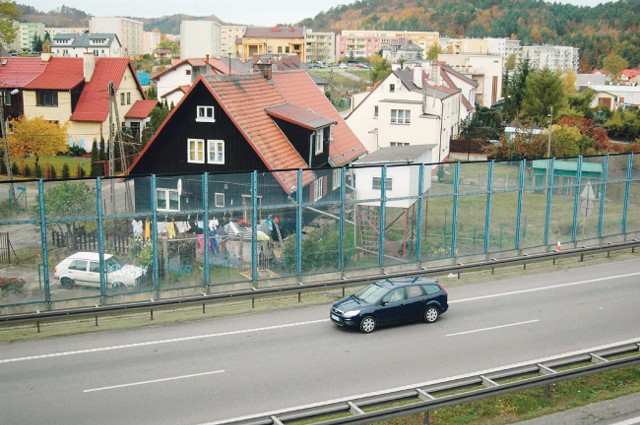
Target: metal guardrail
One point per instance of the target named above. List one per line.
(253, 292)
(368, 409)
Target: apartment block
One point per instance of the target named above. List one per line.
(275, 40)
(368, 43)
(26, 32)
(130, 33)
(553, 57)
(319, 47)
(199, 39)
(229, 34)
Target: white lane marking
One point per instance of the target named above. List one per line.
(542, 288)
(132, 384)
(632, 421)
(423, 384)
(163, 341)
(494, 327)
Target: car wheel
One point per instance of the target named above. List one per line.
(368, 324)
(431, 314)
(66, 283)
(118, 285)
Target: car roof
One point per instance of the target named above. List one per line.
(405, 281)
(92, 256)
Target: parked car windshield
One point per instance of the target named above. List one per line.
(371, 293)
(112, 264)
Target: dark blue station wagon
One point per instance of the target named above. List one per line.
(391, 301)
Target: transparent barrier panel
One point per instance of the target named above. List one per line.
(470, 231)
(436, 239)
(502, 231)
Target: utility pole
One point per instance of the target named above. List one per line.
(547, 183)
(7, 161)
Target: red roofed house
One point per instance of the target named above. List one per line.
(240, 123)
(75, 90)
(15, 74)
(629, 76)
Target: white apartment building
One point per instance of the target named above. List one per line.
(369, 42)
(129, 32)
(319, 47)
(25, 34)
(502, 47)
(150, 40)
(486, 70)
(553, 57)
(228, 36)
(199, 39)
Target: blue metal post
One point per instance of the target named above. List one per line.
(205, 226)
(254, 227)
(627, 191)
(382, 221)
(487, 207)
(603, 192)
(154, 233)
(547, 216)
(420, 212)
(454, 214)
(103, 285)
(43, 239)
(341, 222)
(576, 200)
(299, 223)
(518, 242)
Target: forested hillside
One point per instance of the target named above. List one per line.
(597, 31)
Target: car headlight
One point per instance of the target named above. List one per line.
(351, 313)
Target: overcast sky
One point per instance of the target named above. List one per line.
(251, 12)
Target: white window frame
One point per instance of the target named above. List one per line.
(337, 181)
(195, 155)
(317, 189)
(319, 141)
(218, 199)
(215, 151)
(167, 198)
(400, 116)
(205, 114)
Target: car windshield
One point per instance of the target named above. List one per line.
(112, 264)
(371, 293)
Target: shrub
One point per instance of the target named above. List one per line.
(66, 172)
(11, 284)
(26, 171)
(14, 169)
(38, 171)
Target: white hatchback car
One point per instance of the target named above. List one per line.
(83, 268)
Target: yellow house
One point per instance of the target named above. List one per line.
(76, 91)
(276, 40)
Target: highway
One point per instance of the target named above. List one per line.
(210, 370)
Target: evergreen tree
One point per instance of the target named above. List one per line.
(66, 172)
(95, 158)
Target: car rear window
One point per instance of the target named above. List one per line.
(431, 289)
(414, 292)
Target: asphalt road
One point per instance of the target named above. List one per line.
(237, 366)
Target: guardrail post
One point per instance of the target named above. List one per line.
(576, 201)
(603, 192)
(154, 234)
(43, 240)
(254, 213)
(454, 213)
(547, 217)
(382, 215)
(426, 418)
(627, 190)
(205, 228)
(420, 212)
(299, 223)
(341, 221)
(487, 207)
(103, 280)
(517, 244)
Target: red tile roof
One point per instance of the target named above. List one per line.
(93, 104)
(19, 71)
(297, 88)
(141, 109)
(305, 118)
(244, 99)
(59, 74)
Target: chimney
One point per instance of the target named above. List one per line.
(417, 76)
(206, 64)
(44, 57)
(89, 62)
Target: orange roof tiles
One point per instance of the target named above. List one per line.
(297, 88)
(19, 71)
(141, 109)
(59, 74)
